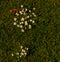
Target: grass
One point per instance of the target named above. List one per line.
(43, 40)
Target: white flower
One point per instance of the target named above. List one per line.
(22, 54)
(25, 54)
(33, 21)
(15, 23)
(27, 16)
(24, 13)
(29, 10)
(22, 30)
(20, 12)
(21, 47)
(21, 23)
(23, 50)
(26, 9)
(30, 20)
(26, 48)
(21, 26)
(17, 14)
(34, 8)
(21, 6)
(26, 23)
(15, 19)
(12, 54)
(30, 26)
(22, 19)
(17, 53)
(34, 14)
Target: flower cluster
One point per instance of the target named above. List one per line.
(21, 53)
(24, 18)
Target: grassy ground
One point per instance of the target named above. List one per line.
(43, 40)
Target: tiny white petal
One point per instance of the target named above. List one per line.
(17, 53)
(25, 53)
(33, 21)
(22, 19)
(21, 6)
(23, 50)
(21, 47)
(30, 26)
(12, 54)
(22, 30)
(34, 8)
(17, 14)
(29, 10)
(15, 19)
(22, 54)
(21, 23)
(26, 23)
(15, 23)
(26, 48)
(27, 16)
(20, 12)
(30, 20)
(26, 9)
(21, 26)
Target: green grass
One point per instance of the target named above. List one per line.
(43, 40)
